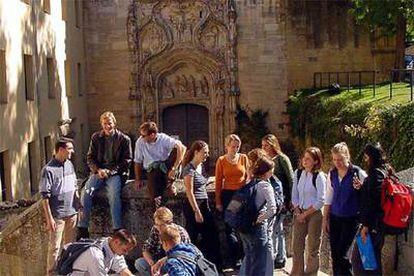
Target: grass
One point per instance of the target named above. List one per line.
(401, 94)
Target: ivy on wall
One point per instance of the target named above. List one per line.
(320, 120)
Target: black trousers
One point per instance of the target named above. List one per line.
(342, 231)
(203, 235)
(233, 240)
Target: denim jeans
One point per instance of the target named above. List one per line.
(143, 268)
(113, 191)
(278, 238)
(257, 252)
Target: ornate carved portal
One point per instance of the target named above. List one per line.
(184, 52)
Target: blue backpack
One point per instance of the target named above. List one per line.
(241, 213)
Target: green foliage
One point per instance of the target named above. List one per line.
(320, 119)
(251, 127)
(382, 14)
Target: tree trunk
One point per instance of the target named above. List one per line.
(401, 28)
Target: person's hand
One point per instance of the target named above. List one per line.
(102, 174)
(219, 208)
(139, 183)
(326, 226)
(296, 211)
(364, 234)
(171, 173)
(199, 217)
(156, 268)
(51, 225)
(301, 217)
(356, 182)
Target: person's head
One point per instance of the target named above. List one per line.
(162, 217)
(232, 143)
(170, 237)
(64, 148)
(271, 145)
(261, 165)
(374, 155)
(198, 152)
(148, 131)
(121, 242)
(108, 122)
(340, 155)
(311, 160)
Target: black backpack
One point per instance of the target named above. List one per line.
(203, 266)
(71, 252)
(314, 176)
(241, 213)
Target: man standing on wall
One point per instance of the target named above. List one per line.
(108, 158)
(60, 201)
(160, 156)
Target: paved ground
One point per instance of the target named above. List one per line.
(284, 271)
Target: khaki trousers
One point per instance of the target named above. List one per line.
(65, 233)
(308, 232)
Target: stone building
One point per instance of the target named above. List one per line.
(186, 64)
(42, 92)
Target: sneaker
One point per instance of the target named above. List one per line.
(279, 265)
(82, 233)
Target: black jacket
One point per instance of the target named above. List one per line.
(121, 150)
(371, 211)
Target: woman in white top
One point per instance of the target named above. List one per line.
(308, 198)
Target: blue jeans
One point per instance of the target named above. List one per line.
(278, 238)
(257, 252)
(113, 192)
(143, 268)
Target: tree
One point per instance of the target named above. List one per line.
(390, 17)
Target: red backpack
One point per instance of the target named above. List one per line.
(397, 203)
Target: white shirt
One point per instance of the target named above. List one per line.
(147, 153)
(304, 193)
(94, 262)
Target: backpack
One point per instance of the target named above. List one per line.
(71, 252)
(397, 203)
(241, 213)
(203, 266)
(314, 176)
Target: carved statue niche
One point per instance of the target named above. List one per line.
(220, 100)
(148, 97)
(212, 36)
(153, 40)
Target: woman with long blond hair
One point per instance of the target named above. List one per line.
(284, 172)
(231, 174)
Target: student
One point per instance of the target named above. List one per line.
(99, 262)
(308, 198)
(198, 215)
(371, 211)
(152, 247)
(284, 172)
(257, 243)
(342, 206)
(154, 155)
(231, 174)
(59, 199)
(109, 157)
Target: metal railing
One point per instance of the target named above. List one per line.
(392, 75)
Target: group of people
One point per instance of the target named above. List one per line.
(348, 195)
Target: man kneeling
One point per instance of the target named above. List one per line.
(97, 258)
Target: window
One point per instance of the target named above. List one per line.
(80, 79)
(34, 187)
(3, 84)
(51, 77)
(48, 148)
(68, 79)
(46, 6)
(64, 5)
(78, 10)
(5, 176)
(29, 77)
